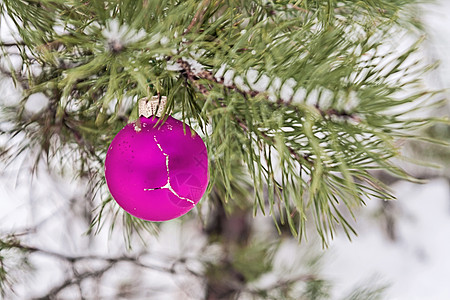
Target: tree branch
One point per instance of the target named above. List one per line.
(198, 17)
(53, 293)
(207, 75)
(15, 44)
(11, 242)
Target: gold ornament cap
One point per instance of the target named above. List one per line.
(153, 106)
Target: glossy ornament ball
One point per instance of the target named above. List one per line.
(157, 173)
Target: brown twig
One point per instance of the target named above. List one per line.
(13, 44)
(198, 17)
(81, 141)
(207, 75)
(298, 8)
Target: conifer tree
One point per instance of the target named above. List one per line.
(298, 103)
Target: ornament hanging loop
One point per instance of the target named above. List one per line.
(153, 106)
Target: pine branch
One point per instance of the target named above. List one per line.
(308, 159)
(207, 75)
(82, 142)
(18, 77)
(324, 147)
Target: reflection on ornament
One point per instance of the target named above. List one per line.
(157, 173)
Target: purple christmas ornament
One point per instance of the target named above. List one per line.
(156, 173)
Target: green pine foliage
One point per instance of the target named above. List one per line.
(302, 94)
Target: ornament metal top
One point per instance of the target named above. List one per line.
(155, 106)
(156, 172)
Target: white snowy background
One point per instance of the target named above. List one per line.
(416, 265)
